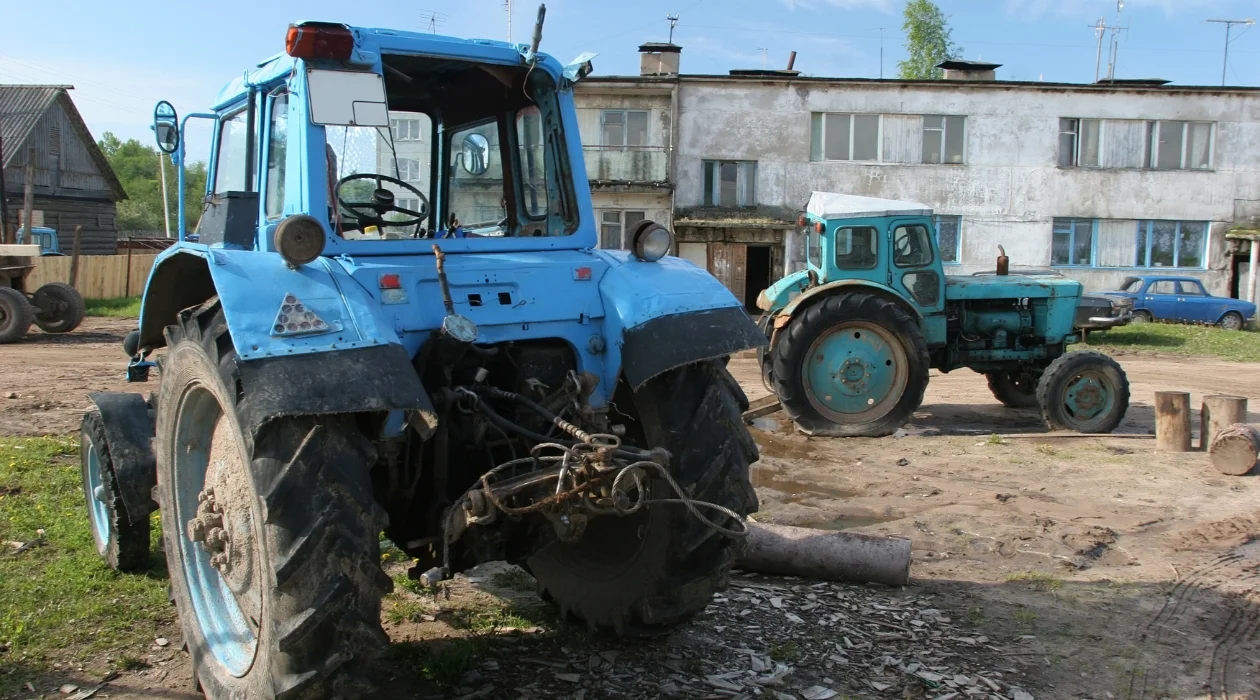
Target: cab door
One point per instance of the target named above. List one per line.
(914, 266)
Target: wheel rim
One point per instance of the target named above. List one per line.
(227, 604)
(98, 512)
(856, 372)
(1232, 323)
(1088, 399)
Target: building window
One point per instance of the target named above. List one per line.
(845, 136)
(405, 129)
(408, 169)
(1171, 243)
(408, 203)
(615, 224)
(948, 237)
(1072, 242)
(1080, 143)
(730, 183)
(943, 139)
(621, 127)
(1180, 145)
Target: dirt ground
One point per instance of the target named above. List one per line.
(1046, 567)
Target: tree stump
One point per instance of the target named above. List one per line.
(1219, 411)
(1234, 449)
(1172, 421)
(826, 554)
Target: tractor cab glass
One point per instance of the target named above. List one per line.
(857, 247)
(459, 150)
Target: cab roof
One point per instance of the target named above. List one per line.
(833, 205)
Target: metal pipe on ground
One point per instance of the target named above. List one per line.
(830, 555)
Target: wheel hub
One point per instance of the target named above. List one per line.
(1086, 397)
(855, 371)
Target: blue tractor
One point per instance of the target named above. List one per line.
(853, 335)
(395, 320)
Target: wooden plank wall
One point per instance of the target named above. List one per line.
(100, 276)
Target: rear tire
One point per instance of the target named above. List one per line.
(1085, 391)
(16, 315)
(123, 545)
(67, 300)
(1015, 388)
(892, 382)
(296, 612)
(1232, 321)
(646, 573)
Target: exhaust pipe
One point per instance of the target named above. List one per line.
(791, 60)
(1003, 262)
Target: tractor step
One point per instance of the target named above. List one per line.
(763, 406)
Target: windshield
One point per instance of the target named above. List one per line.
(472, 150)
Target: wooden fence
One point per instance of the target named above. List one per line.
(100, 276)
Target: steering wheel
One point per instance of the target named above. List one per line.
(382, 202)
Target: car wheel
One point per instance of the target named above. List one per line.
(1232, 321)
(1141, 317)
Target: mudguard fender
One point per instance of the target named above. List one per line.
(668, 313)
(128, 437)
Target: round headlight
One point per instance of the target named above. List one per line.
(649, 241)
(300, 239)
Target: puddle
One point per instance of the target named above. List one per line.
(796, 490)
(767, 424)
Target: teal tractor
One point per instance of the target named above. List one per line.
(395, 324)
(852, 336)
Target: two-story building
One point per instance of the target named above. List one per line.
(1098, 181)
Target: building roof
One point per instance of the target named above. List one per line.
(832, 205)
(21, 108)
(956, 64)
(659, 47)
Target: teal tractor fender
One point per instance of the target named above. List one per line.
(785, 300)
(665, 314)
(352, 361)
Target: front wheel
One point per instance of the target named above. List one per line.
(59, 308)
(123, 545)
(1232, 321)
(645, 573)
(1141, 316)
(851, 365)
(1084, 391)
(271, 542)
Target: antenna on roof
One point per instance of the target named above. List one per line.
(764, 53)
(673, 22)
(508, 5)
(432, 20)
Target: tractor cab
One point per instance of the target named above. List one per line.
(45, 238)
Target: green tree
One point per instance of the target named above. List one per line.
(928, 41)
(136, 166)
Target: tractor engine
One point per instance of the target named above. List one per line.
(992, 325)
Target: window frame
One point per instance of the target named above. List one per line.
(852, 117)
(936, 229)
(403, 176)
(1071, 222)
(1146, 228)
(269, 164)
(711, 185)
(394, 131)
(625, 128)
(927, 239)
(835, 243)
(1078, 142)
(944, 131)
(212, 186)
(1155, 133)
(623, 224)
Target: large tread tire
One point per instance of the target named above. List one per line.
(763, 352)
(809, 324)
(125, 545)
(1054, 385)
(645, 574)
(317, 528)
(70, 317)
(1015, 388)
(16, 315)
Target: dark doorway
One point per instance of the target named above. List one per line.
(758, 274)
(1239, 273)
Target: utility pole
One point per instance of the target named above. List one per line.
(764, 52)
(881, 53)
(1115, 41)
(508, 4)
(1099, 30)
(673, 22)
(1229, 25)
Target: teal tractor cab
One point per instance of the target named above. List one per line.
(853, 335)
(45, 238)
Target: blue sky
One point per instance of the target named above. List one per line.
(122, 57)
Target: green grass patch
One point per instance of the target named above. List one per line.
(59, 601)
(120, 307)
(1179, 339)
(1038, 580)
(442, 663)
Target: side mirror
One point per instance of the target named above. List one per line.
(476, 154)
(166, 127)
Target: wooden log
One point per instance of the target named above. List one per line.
(1219, 411)
(1234, 449)
(1172, 421)
(826, 554)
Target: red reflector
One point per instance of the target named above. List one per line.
(391, 281)
(820, 227)
(800, 221)
(319, 41)
(581, 274)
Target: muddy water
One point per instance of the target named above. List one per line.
(787, 501)
(764, 477)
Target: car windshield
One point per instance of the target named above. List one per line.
(471, 151)
(1130, 284)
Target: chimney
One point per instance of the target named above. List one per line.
(659, 58)
(969, 70)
